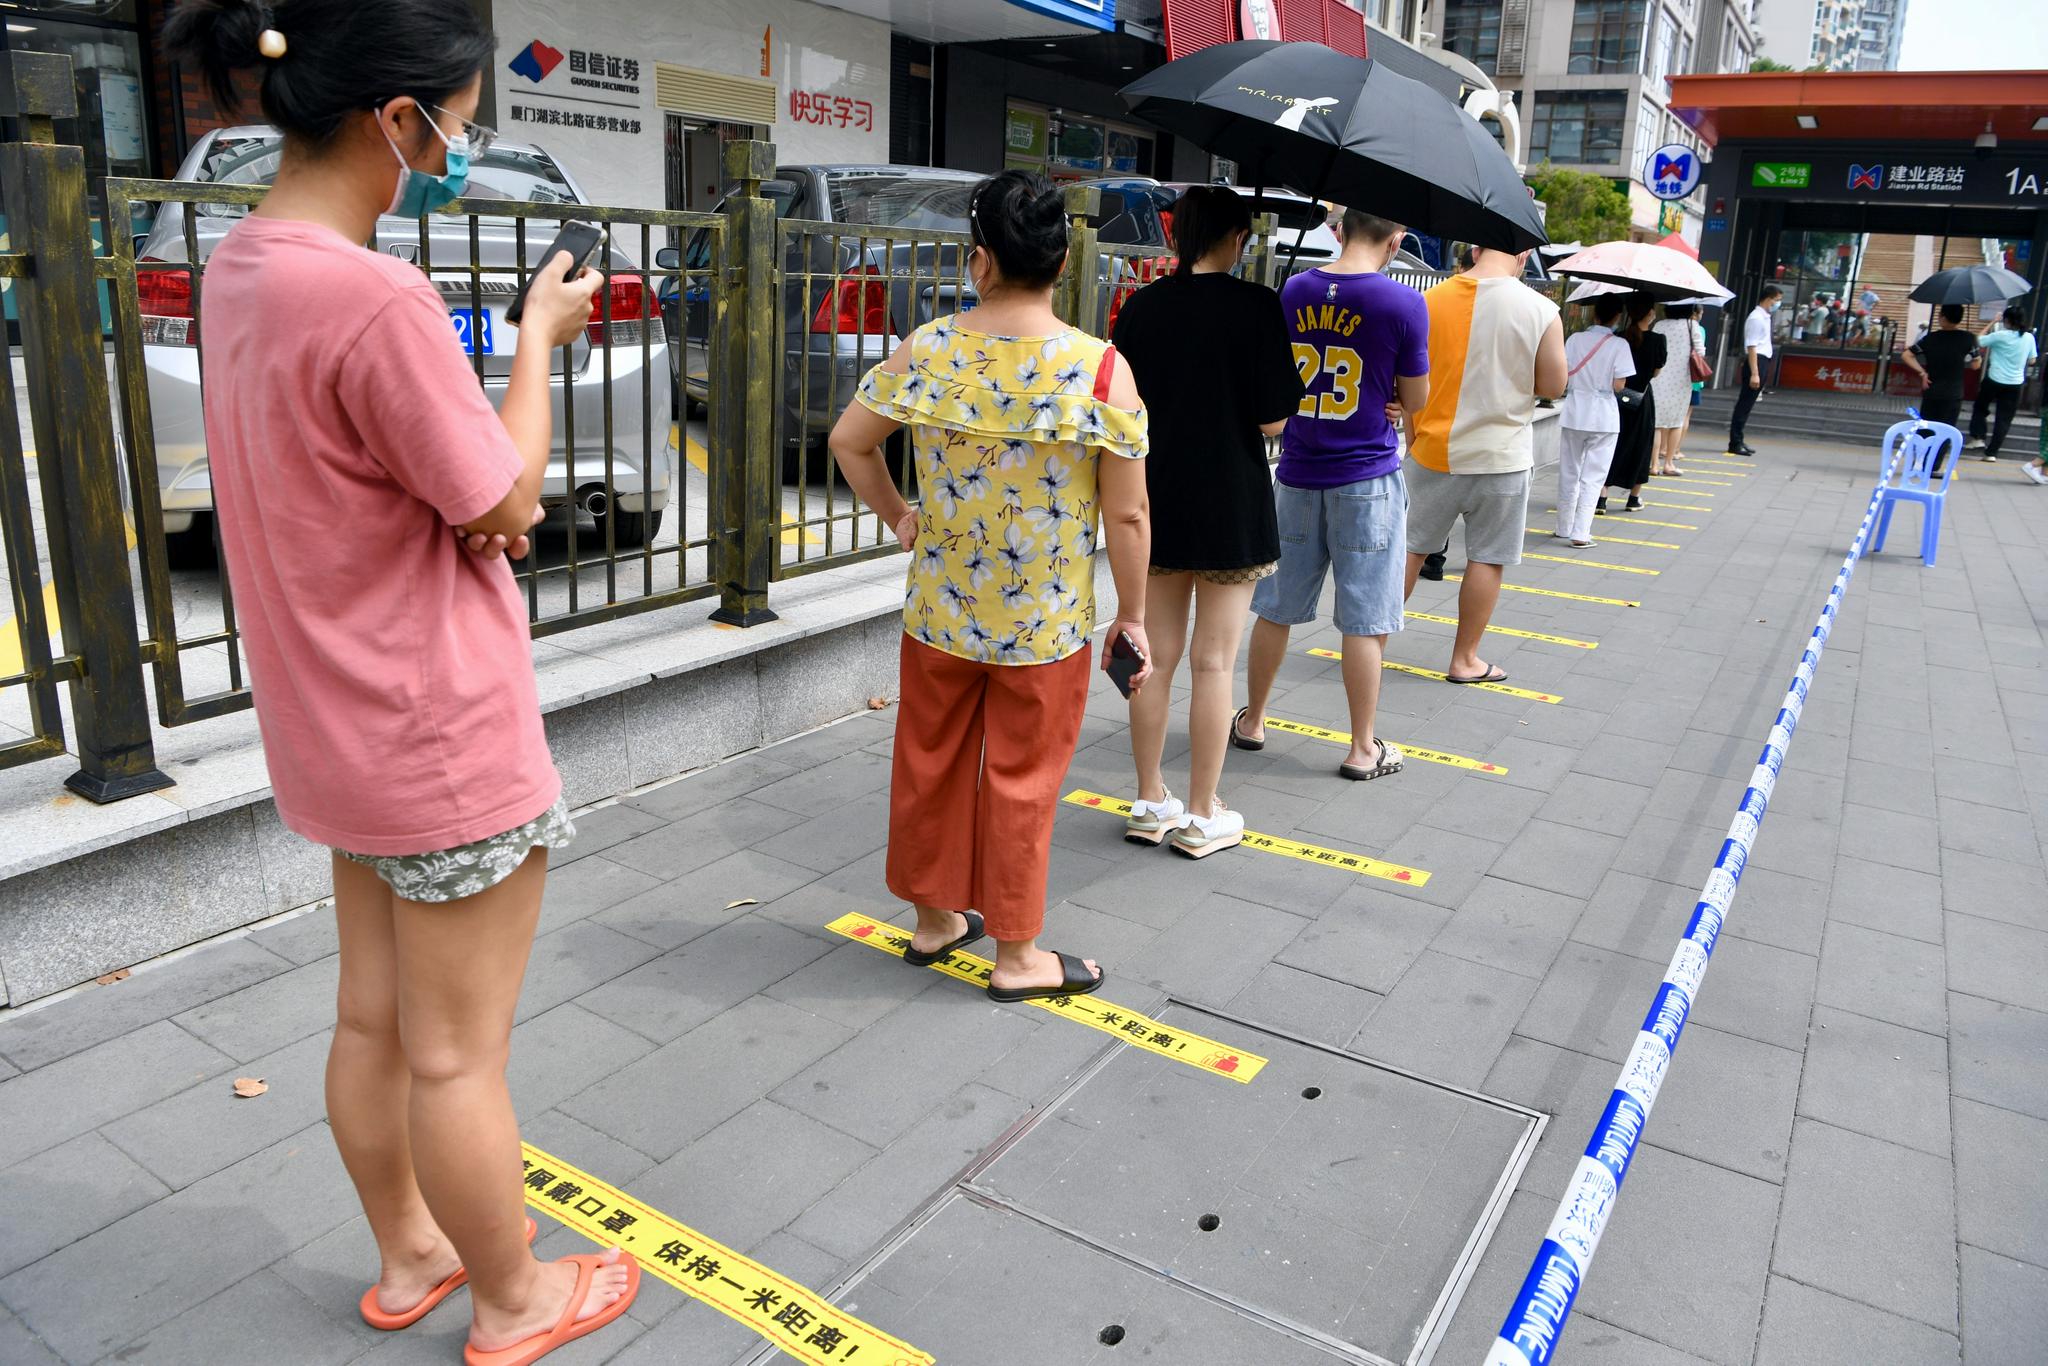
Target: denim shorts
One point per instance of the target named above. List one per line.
(1361, 531)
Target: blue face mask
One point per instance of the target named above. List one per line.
(420, 193)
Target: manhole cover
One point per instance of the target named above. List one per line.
(1331, 1210)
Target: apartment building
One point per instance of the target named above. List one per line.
(1835, 35)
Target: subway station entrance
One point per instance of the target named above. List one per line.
(1845, 189)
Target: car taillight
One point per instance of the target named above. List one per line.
(857, 305)
(164, 299)
(634, 313)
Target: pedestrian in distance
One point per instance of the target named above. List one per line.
(366, 493)
(1756, 349)
(1360, 341)
(1636, 444)
(2008, 350)
(1021, 429)
(1597, 369)
(1940, 359)
(1210, 355)
(1672, 390)
(1495, 347)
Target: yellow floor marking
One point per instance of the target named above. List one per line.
(1591, 564)
(1137, 1030)
(1437, 676)
(1719, 483)
(1554, 593)
(1511, 631)
(796, 534)
(1717, 460)
(1689, 493)
(1618, 540)
(12, 658)
(1272, 844)
(799, 1321)
(1693, 508)
(1412, 751)
(1645, 521)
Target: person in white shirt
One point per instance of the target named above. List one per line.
(1756, 349)
(1597, 366)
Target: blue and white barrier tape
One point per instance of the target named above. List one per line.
(1533, 1326)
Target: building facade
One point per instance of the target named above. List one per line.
(1833, 35)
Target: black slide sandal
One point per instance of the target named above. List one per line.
(1075, 980)
(924, 960)
(1240, 740)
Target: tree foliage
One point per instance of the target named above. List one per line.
(1580, 206)
(1767, 64)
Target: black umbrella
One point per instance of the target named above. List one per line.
(1969, 285)
(1348, 129)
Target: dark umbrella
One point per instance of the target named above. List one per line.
(1348, 129)
(1969, 285)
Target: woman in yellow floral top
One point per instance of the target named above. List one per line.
(1023, 430)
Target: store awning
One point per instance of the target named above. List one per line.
(980, 21)
(1863, 106)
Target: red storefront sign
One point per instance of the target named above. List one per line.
(1841, 374)
(1192, 25)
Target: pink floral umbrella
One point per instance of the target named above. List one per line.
(1657, 271)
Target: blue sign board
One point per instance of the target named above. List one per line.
(1097, 14)
(1717, 225)
(1672, 171)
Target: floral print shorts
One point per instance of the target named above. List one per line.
(452, 874)
(1250, 573)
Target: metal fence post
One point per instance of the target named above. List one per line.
(746, 476)
(1081, 281)
(58, 304)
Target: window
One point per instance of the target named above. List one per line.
(1607, 35)
(1649, 129)
(1578, 127)
(1472, 30)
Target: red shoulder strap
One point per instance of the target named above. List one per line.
(1105, 370)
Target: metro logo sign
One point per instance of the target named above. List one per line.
(1866, 177)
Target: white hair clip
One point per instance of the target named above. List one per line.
(270, 43)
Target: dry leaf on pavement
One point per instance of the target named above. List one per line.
(743, 901)
(249, 1087)
(112, 977)
(878, 704)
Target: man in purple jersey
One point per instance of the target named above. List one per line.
(1361, 342)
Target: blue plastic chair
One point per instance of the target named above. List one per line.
(1930, 451)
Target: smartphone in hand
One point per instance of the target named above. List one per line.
(1125, 660)
(580, 240)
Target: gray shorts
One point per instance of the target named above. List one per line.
(1495, 508)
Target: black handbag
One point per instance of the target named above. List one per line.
(1629, 400)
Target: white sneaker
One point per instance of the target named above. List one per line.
(1151, 822)
(1201, 836)
(2034, 472)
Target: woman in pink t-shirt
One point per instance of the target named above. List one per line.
(367, 495)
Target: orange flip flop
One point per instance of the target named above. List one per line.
(569, 1327)
(391, 1323)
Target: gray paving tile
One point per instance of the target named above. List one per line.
(1509, 925)
(1217, 948)
(1303, 1003)
(1990, 831)
(1999, 1054)
(1592, 1001)
(814, 790)
(1807, 1327)
(1598, 804)
(1993, 889)
(1757, 991)
(855, 1215)
(64, 1193)
(1879, 1079)
(669, 851)
(308, 935)
(865, 1087)
(587, 886)
(1447, 1019)
(1992, 784)
(20, 1347)
(1675, 851)
(1455, 863)
(139, 1272)
(572, 961)
(1572, 1088)
(684, 1089)
(673, 994)
(1891, 787)
(1805, 846)
(1888, 838)
(1720, 1263)
(85, 1090)
(1893, 900)
(98, 1014)
(560, 1052)
(1782, 910)
(1558, 858)
(2002, 1181)
(1635, 915)
(247, 1324)
(1729, 1101)
(1533, 764)
(263, 1018)
(206, 1127)
(1870, 1221)
(753, 1174)
(2005, 1309)
(1997, 961)
(840, 836)
(698, 791)
(1625, 759)
(671, 914)
(604, 828)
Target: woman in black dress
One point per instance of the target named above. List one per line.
(1212, 361)
(1630, 468)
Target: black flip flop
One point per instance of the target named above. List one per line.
(925, 960)
(1075, 980)
(1494, 674)
(1239, 740)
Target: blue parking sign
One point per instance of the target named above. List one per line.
(1673, 171)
